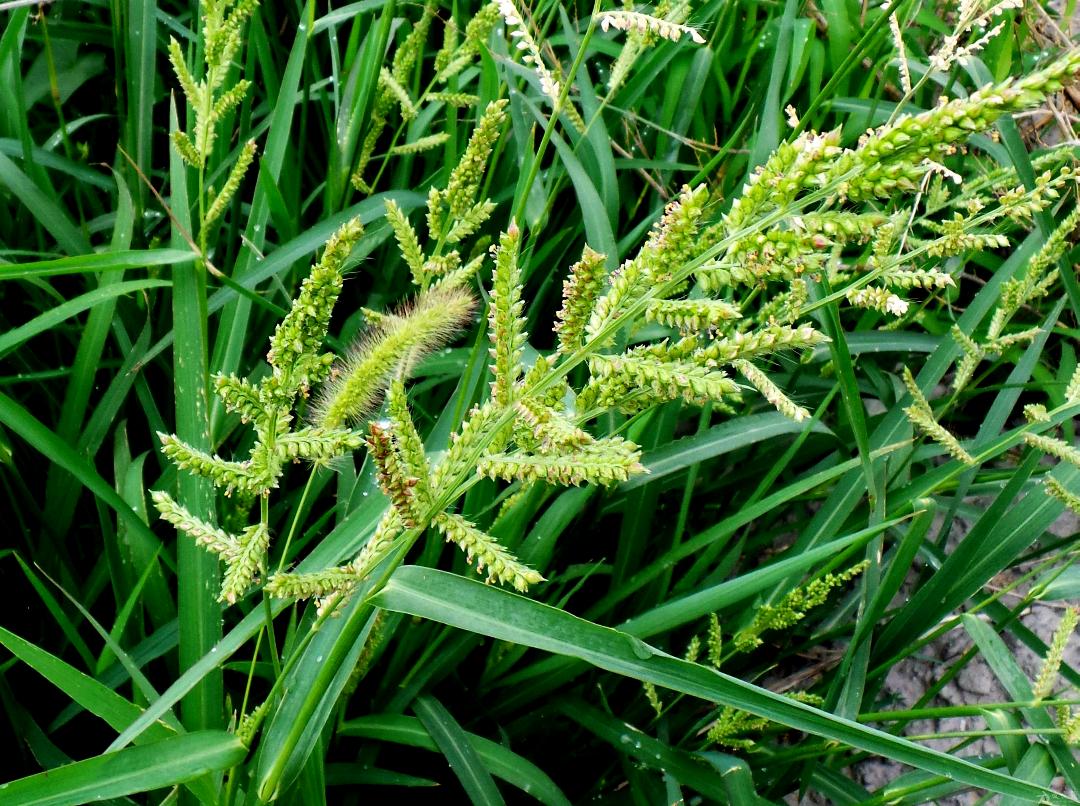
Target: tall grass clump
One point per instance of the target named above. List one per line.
(479, 381)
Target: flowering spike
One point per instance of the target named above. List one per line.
(488, 554)
(580, 291)
(692, 315)
(1044, 683)
(1054, 447)
(622, 20)
(407, 240)
(302, 332)
(506, 325)
(206, 535)
(232, 184)
(770, 391)
(249, 560)
(631, 382)
(398, 343)
(406, 491)
(606, 461)
(922, 417)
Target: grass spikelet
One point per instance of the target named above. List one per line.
(622, 20)
(1054, 447)
(206, 535)
(486, 552)
(1051, 666)
(506, 327)
(580, 291)
(1072, 391)
(770, 391)
(922, 417)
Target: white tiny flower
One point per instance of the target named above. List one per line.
(895, 305)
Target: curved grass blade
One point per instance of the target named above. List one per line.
(454, 744)
(135, 769)
(97, 262)
(19, 420)
(54, 316)
(475, 607)
(500, 761)
(728, 436)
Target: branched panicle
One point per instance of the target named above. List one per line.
(506, 326)
(447, 206)
(672, 242)
(793, 607)
(731, 724)
(296, 361)
(453, 57)
(391, 90)
(922, 417)
(211, 101)
(897, 156)
(580, 291)
(792, 168)
(296, 344)
(1037, 281)
(488, 554)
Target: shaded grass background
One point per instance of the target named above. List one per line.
(83, 396)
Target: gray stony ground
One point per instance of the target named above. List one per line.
(975, 684)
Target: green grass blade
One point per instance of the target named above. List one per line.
(135, 769)
(730, 435)
(475, 607)
(500, 761)
(649, 752)
(95, 697)
(767, 137)
(312, 690)
(84, 302)
(455, 746)
(48, 213)
(199, 613)
(97, 262)
(19, 420)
